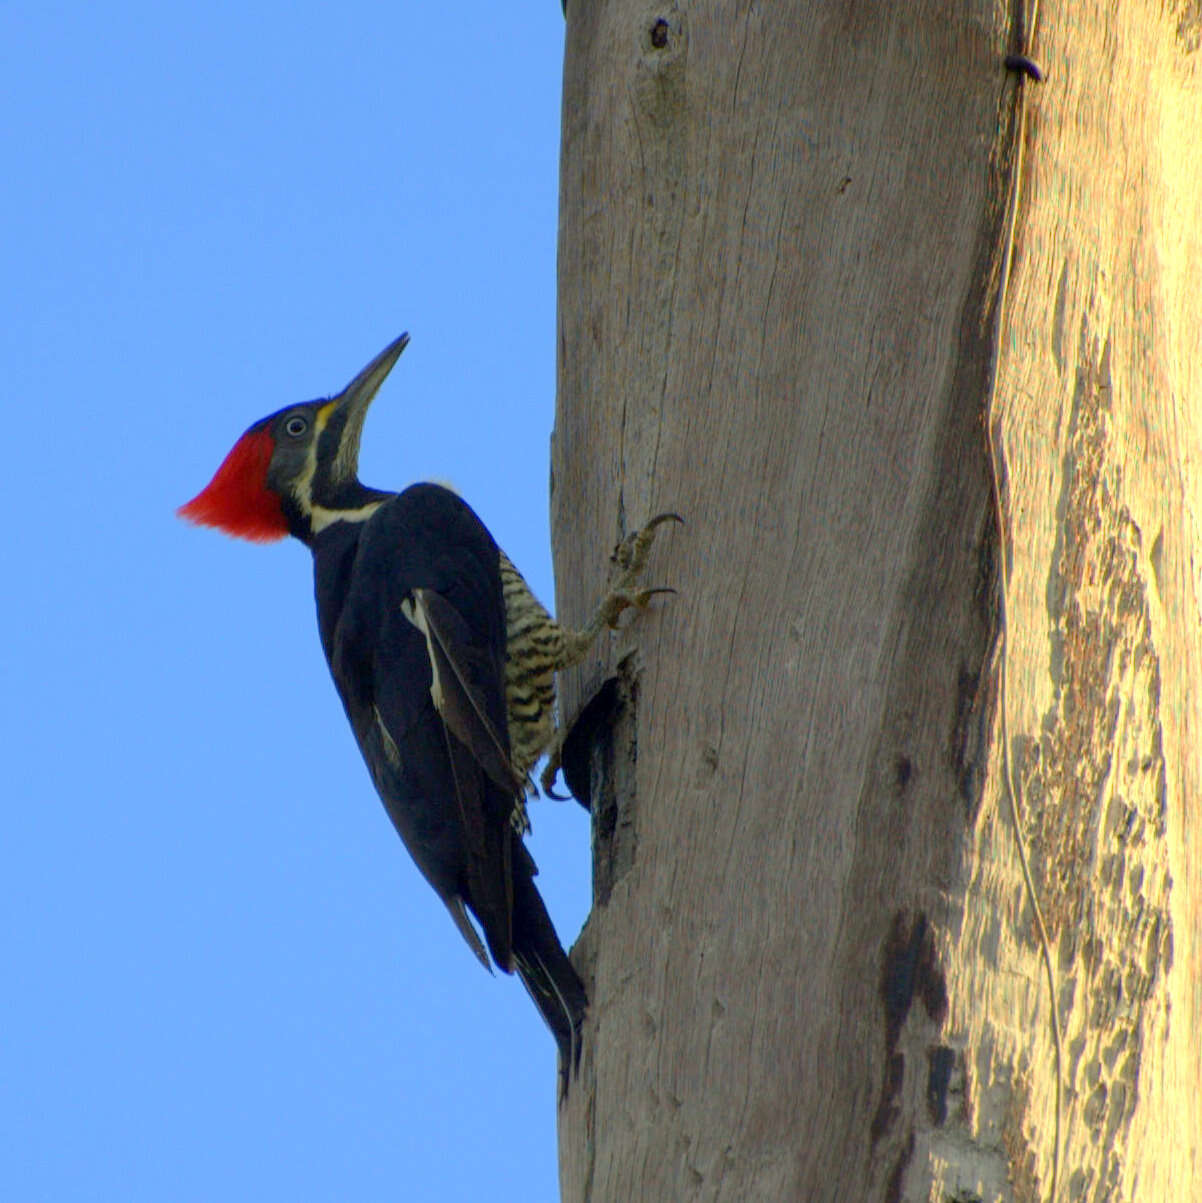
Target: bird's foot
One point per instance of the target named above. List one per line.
(618, 601)
(627, 593)
(631, 554)
(551, 769)
(631, 557)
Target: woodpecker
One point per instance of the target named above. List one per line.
(444, 660)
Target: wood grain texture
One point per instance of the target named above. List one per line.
(812, 968)
(1101, 395)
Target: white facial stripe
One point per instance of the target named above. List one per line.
(302, 487)
(319, 517)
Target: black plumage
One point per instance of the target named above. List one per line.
(444, 659)
(412, 622)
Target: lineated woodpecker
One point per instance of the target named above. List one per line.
(444, 660)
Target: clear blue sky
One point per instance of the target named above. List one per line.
(223, 978)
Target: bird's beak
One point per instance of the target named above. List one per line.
(353, 402)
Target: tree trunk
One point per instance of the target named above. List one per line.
(815, 970)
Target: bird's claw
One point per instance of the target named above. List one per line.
(631, 557)
(621, 600)
(631, 554)
(548, 784)
(551, 769)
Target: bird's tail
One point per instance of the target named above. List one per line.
(543, 966)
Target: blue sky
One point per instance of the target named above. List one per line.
(223, 977)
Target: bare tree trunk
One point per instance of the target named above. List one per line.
(814, 968)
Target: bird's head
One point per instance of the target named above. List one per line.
(297, 470)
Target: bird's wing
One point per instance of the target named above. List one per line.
(460, 673)
(418, 654)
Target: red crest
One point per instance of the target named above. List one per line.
(237, 499)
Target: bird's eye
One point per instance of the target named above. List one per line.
(296, 426)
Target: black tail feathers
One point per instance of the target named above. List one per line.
(545, 970)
